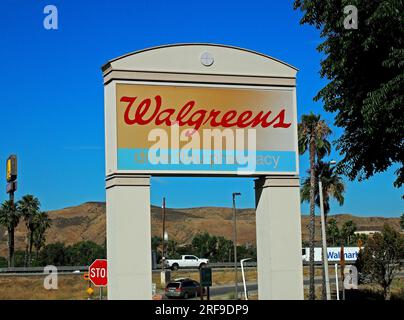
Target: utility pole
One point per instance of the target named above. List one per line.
(235, 243)
(164, 231)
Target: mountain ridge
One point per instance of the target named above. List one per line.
(87, 222)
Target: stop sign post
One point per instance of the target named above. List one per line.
(97, 273)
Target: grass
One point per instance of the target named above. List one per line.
(73, 287)
(70, 287)
(364, 292)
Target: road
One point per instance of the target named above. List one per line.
(251, 286)
(228, 289)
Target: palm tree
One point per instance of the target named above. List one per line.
(29, 208)
(9, 218)
(42, 223)
(333, 233)
(333, 186)
(347, 232)
(313, 133)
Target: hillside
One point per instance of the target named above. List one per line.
(87, 222)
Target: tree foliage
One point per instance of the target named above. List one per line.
(215, 248)
(54, 254)
(333, 186)
(41, 223)
(84, 253)
(29, 207)
(333, 234)
(345, 235)
(348, 233)
(204, 245)
(9, 218)
(382, 257)
(79, 254)
(365, 69)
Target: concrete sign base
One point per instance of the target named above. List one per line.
(128, 237)
(280, 271)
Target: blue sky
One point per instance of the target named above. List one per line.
(51, 96)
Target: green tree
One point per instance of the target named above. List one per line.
(333, 186)
(382, 257)
(84, 253)
(155, 242)
(312, 136)
(204, 245)
(348, 233)
(223, 248)
(172, 249)
(54, 254)
(3, 262)
(402, 221)
(246, 251)
(19, 258)
(9, 218)
(333, 233)
(365, 70)
(41, 223)
(28, 207)
(184, 249)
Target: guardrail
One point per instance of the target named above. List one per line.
(85, 268)
(40, 269)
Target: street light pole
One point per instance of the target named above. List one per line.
(235, 243)
(324, 237)
(242, 272)
(323, 234)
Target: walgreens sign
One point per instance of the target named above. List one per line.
(165, 129)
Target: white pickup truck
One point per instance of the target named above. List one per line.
(186, 261)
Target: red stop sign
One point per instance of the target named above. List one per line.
(97, 272)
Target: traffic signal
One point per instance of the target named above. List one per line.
(11, 168)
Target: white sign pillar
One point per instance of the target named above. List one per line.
(128, 237)
(279, 243)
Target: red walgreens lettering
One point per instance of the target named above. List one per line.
(187, 116)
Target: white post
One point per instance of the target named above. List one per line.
(128, 237)
(336, 280)
(279, 241)
(242, 272)
(323, 235)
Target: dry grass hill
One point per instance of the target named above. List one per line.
(87, 222)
